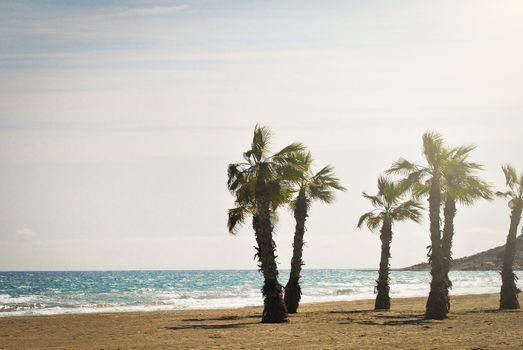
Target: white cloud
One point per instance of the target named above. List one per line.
(25, 234)
(153, 10)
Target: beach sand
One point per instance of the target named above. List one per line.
(474, 323)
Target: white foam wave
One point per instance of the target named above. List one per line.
(7, 299)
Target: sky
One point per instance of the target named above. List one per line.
(118, 120)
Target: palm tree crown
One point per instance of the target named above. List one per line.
(316, 186)
(460, 181)
(419, 178)
(514, 194)
(389, 205)
(277, 170)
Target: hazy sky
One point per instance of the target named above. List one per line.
(118, 120)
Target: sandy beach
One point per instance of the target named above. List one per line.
(474, 323)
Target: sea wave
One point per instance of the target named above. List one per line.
(7, 299)
(346, 291)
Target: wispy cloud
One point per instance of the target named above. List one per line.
(25, 234)
(153, 10)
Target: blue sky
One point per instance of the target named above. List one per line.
(118, 118)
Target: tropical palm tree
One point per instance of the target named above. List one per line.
(461, 185)
(259, 187)
(389, 207)
(309, 187)
(427, 180)
(509, 290)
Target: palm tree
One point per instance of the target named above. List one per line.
(463, 186)
(427, 180)
(509, 290)
(389, 207)
(310, 187)
(259, 187)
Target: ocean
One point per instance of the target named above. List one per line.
(44, 293)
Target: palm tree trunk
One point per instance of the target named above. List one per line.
(256, 227)
(449, 213)
(383, 298)
(293, 289)
(274, 307)
(436, 308)
(509, 290)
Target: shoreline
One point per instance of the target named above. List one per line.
(473, 322)
(100, 310)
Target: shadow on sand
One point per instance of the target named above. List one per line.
(222, 318)
(217, 326)
(350, 312)
(486, 311)
(389, 320)
(410, 322)
(212, 326)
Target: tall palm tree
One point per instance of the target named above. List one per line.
(389, 207)
(259, 187)
(461, 185)
(310, 187)
(427, 180)
(509, 290)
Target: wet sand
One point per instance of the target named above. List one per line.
(474, 323)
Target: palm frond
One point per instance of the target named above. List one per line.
(420, 189)
(233, 176)
(236, 218)
(461, 183)
(364, 218)
(408, 210)
(433, 148)
(505, 195)
(375, 200)
(324, 196)
(321, 186)
(292, 163)
(371, 220)
(280, 192)
(327, 180)
(462, 151)
(514, 194)
(260, 142)
(477, 188)
(289, 150)
(374, 222)
(510, 174)
(245, 194)
(389, 190)
(402, 167)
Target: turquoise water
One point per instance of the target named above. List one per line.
(34, 293)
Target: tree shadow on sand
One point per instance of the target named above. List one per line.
(411, 316)
(212, 326)
(218, 325)
(222, 318)
(486, 311)
(411, 322)
(350, 312)
(393, 320)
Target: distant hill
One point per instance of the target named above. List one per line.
(491, 259)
